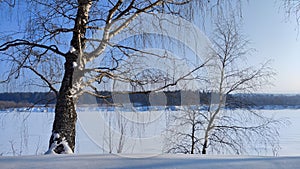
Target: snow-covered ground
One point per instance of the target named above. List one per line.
(157, 162)
(24, 138)
(28, 133)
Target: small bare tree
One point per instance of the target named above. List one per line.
(184, 136)
(234, 131)
(115, 137)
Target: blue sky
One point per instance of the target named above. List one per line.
(275, 37)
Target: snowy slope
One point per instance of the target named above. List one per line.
(157, 162)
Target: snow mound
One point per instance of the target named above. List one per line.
(157, 162)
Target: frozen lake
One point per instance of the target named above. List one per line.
(27, 133)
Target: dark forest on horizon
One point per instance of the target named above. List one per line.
(164, 98)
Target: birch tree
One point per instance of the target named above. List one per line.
(220, 129)
(292, 8)
(53, 40)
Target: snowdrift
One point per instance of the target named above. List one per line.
(145, 162)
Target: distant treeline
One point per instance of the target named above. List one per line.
(164, 98)
(26, 99)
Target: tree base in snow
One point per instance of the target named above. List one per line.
(59, 145)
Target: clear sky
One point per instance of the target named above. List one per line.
(274, 37)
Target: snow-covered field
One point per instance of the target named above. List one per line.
(157, 162)
(24, 138)
(27, 133)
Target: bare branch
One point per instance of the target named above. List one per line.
(21, 42)
(50, 85)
